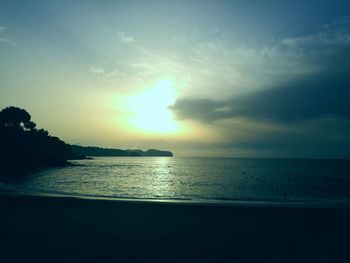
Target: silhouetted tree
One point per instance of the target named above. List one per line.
(15, 117)
(30, 125)
(43, 133)
(23, 147)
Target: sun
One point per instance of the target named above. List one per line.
(149, 108)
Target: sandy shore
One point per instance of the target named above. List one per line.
(47, 229)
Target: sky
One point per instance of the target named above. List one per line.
(197, 77)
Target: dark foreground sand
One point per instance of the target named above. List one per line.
(44, 229)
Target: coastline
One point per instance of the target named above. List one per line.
(8, 189)
(320, 203)
(56, 229)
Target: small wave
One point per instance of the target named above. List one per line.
(196, 200)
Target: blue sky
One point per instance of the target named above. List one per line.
(212, 78)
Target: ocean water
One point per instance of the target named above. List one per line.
(197, 179)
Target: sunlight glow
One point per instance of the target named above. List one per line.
(149, 108)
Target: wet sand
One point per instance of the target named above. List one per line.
(51, 229)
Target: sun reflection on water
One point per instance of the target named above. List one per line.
(162, 179)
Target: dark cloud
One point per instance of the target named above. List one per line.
(306, 99)
(308, 117)
(325, 94)
(199, 109)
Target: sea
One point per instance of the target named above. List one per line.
(218, 180)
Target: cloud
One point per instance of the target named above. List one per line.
(321, 87)
(8, 42)
(4, 40)
(295, 101)
(223, 68)
(322, 94)
(97, 70)
(319, 39)
(124, 38)
(198, 109)
(113, 73)
(343, 21)
(336, 33)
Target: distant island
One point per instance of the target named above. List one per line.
(97, 151)
(25, 148)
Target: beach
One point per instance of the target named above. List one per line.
(174, 131)
(56, 229)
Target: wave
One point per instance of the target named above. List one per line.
(8, 189)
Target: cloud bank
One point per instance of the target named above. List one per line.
(304, 112)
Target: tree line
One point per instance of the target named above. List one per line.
(24, 147)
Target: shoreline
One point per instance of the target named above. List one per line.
(52, 229)
(319, 203)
